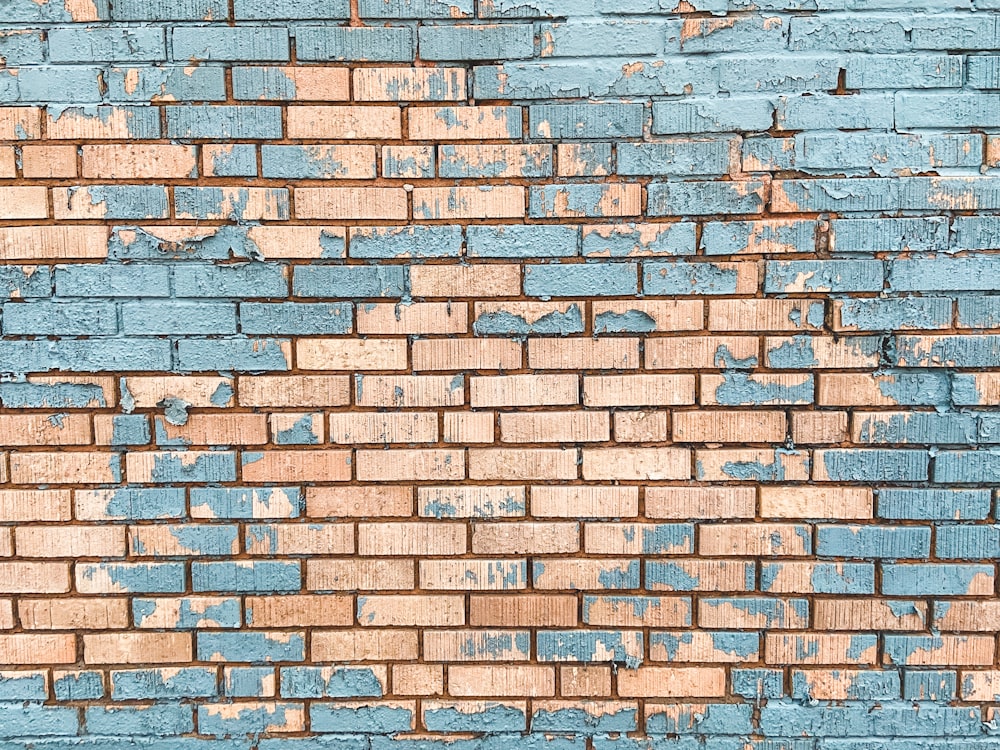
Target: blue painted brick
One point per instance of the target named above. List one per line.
(25, 282)
(681, 157)
(175, 466)
(33, 720)
(60, 318)
(492, 717)
(932, 579)
(578, 37)
(243, 43)
(568, 121)
(196, 539)
(873, 541)
(122, 202)
(129, 429)
(919, 427)
(737, 237)
(828, 578)
(873, 465)
(250, 647)
(191, 614)
(406, 242)
(581, 280)
(136, 83)
(968, 542)
(313, 163)
(108, 355)
(157, 684)
(246, 577)
(23, 686)
(820, 112)
(786, 719)
(754, 684)
(140, 122)
(522, 241)
(231, 280)
(922, 685)
(975, 232)
(160, 318)
(481, 42)
(22, 46)
(330, 682)
(137, 578)
(95, 44)
(945, 274)
(872, 314)
(74, 84)
(888, 235)
(416, 8)
(170, 10)
(573, 720)
(223, 122)
(947, 351)
(876, 33)
(246, 502)
(350, 282)
(241, 355)
(560, 321)
(682, 278)
(596, 199)
(707, 719)
(233, 204)
(772, 73)
(979, 312)
(712, 115)
(350, 44)
(915, 504)
(620, 647)
(247, 682)
(78, 686)
(824, 276)
(146, 503)
(219, 720)
(371, 718)
(289, 318)
(696, 198)
(267, 10)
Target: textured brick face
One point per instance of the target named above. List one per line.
(545, 374)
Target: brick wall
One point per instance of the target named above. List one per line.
(552, 374)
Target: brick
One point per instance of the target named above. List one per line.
(343, 122)
(419, 317)
(728, 427)
(350, 203)
(38, 648)
(464, 123)
(409, 84)
(137, 648)
(346, 354)
(672, 681)
(333, 645)
(296, 466)
(74, 613)
(501, 680)
(816, 502)
(484, 201)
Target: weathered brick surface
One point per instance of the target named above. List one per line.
(570, 374)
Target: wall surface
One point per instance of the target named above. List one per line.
(546, 374)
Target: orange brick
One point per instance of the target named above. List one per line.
(409, 84)
(48, 161)
(672, 682)
(523, 610)
(729, 427)
(35, 505)
(58, 243)
(700, 352)
(350, 203)
(463, 123)
(297, 466)
(34, 577)
(410, 465)
(359, 575)
(411, 538)
(137, 648)
(37, 648)
(700, 502)
(364, 645)
(819, 427)
(201, 391)
(479, 202)
(585, 682)
(409, 390)
(636, 463)
(555, 427)
(417, 679)
(350, 428)
(419, 317)
(756, 539)
(584, 502)
(642, 426)
(395, 610)
(132, 161)
(524, 390)
(357, 502)
(583, 354)
(64, 468)
(660, 315)
(466, 354)
(70, 541)
(525, 538)
(481, 280)
(816, 502)
(501, 680)
(638, 390)
(88, 613)
(299, 610)
(522, 464)
(308, 391)
(369, 123)
(213, 429)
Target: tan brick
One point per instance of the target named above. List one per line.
(433, 464)
(583, 354)
(729, 427)
(765, 315)
(409, 391)
(642, 426)
(661, 315)
(866, 614)
(417, 318)
(636, 463)
(34, 577)
(700, 502)
(700, 352)
(585, 575)
(396, 610)
(203, 391)
(48, 161)
(756, 539)
(58, 243)
(638, 390)
(37, 648)
(364, 645)
(18, 123)
(132, 161)
(464, 123)
(818, 427)
(525, 538)
(816, 502)
(577, 160)
(417, 679)
(585, 682)
(523, 610)
(632, 612)
(466, 354)
(302, 539)
(473, 575)
(359, 575)
(213, 429)
(751, 464)
(501, 680)
(247, 204)
(555, 427)
(524, 390)
(584, 502)
(522, 464)
(137, 648)
(299, 610)
(69, 541)
(968, 616)
(827, 352)
(817, 648)
(23, 202)
(412, 538)
(357, 502)
(297, 466)
(350, 202)
(35, 505)
(672, 682)
(316, 83)
(383, 427)
(64, 468)
(469, 427)
(374, 123)
(310, 391)
(632, 539)
(295, 427)
(698, 647)
(476, 281)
